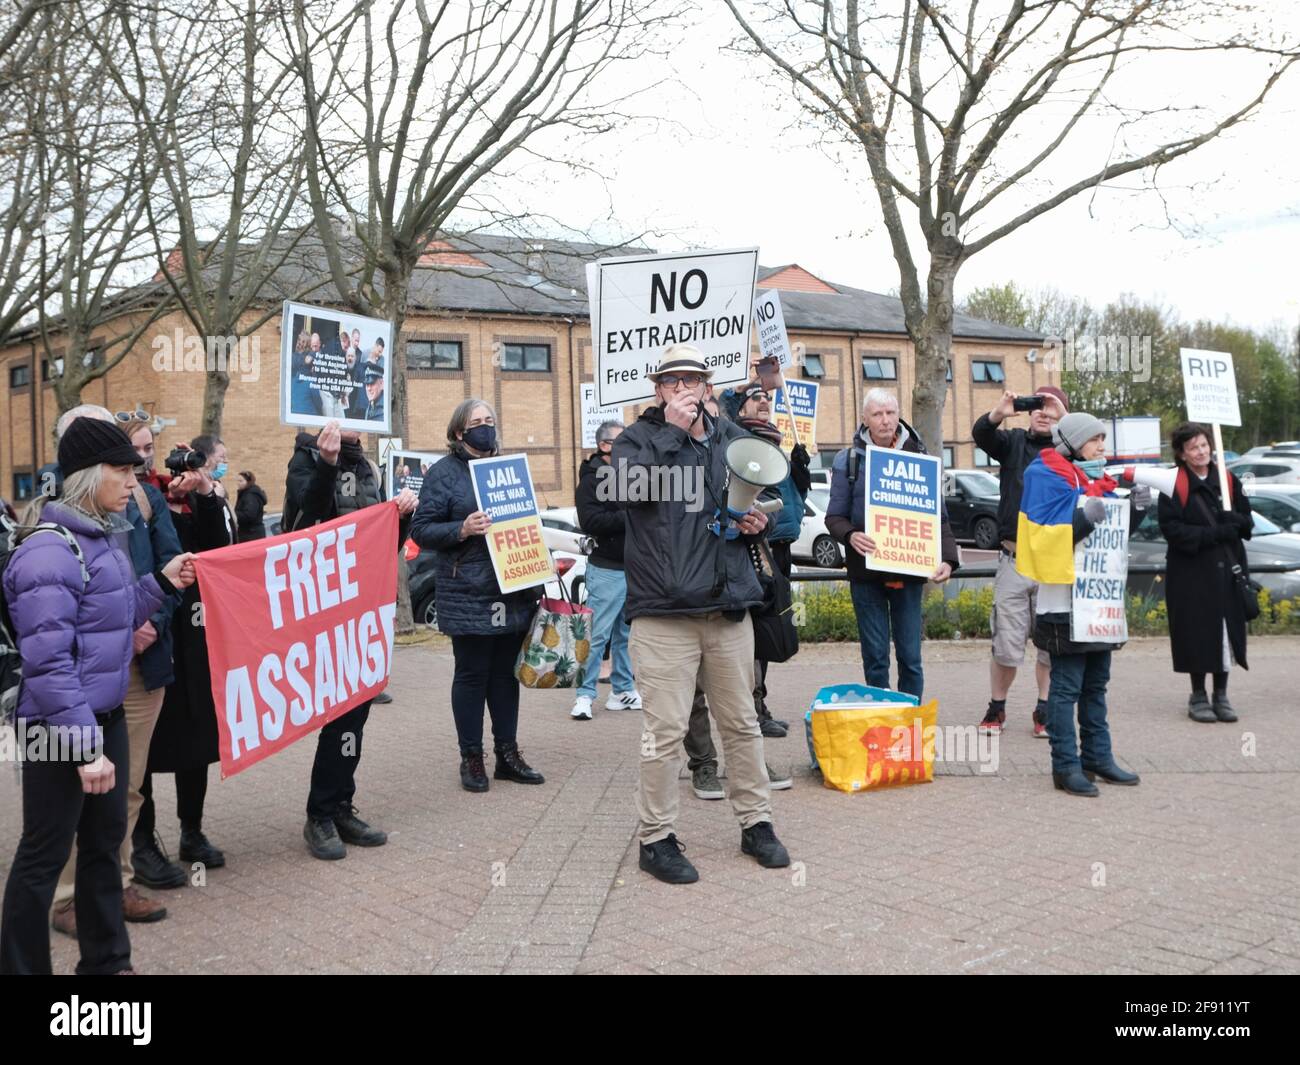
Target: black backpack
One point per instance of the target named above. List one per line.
(11, 663)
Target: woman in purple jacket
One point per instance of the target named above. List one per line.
(73, 614)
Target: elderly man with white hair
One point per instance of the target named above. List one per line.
(885, 603)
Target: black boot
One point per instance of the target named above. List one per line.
(323, 840)
(769, 726)
(511, 766)
(354, 831)
(196, 848)
(473, 776)
(1111, 774)
(1075, 784)
(154, 869)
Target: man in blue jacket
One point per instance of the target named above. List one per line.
(152, 543)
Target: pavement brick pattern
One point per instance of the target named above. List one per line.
(1197, 870)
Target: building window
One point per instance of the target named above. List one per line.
(982, 458)
(20, 376)
(947, 456)
(532, 357)
(949, 377)
(879, 369)
(51, 368)
(812, 366)
(434, 355)
(986, 372)
(24, 486)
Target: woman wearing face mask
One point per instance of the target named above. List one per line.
(1051, 523)
(486, 627)
(1207, 622)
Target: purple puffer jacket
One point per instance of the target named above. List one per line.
(74, 636)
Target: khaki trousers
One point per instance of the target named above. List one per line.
(667, 654)
(142, 709)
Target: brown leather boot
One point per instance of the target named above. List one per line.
(65, 918)
(140, 909)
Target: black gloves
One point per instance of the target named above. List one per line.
(800, 460)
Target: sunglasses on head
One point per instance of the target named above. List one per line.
(137, 415)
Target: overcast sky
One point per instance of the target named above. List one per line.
(727, 171)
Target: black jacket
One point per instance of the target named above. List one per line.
(465, 584)
(1013, 449)
(1204, 544)
(671, 558)
(249, 508)
(603, 519)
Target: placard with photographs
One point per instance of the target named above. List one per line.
(407, 469)
(335, 365)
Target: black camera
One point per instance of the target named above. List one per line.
(184, 459)
(1025, 403)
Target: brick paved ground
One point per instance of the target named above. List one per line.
(1196, 870)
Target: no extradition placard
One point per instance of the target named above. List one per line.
(903, 511)
(773, 342)
(1100, 580)
(642, 305)
(504, 490)
(299, 628)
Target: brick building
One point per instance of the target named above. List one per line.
(507, 320)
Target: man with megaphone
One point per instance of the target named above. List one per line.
(690, 586)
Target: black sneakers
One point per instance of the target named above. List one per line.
(195, 847)
(760, 841)
(354, 831)
(664, 860)
(323, 840)
(154, 869)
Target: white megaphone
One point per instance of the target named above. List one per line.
(754, 464)
(1162, 480)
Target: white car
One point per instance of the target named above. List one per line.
(569, 548)
(815, 544)
(1267, 470)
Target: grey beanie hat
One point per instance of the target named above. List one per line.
(1075, 430)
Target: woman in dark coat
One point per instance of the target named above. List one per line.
(185, 738)
(486, 627)
(250, 505)
(1207, 623)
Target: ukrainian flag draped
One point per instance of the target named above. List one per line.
(1045, 532)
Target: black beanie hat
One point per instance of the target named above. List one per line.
(88, 442)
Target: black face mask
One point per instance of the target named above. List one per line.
(481, 437)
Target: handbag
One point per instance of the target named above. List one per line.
(775, 637)
(1245, 588)
(556, 645)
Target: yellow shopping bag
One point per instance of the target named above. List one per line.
(876, 745)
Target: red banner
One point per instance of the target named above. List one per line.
(299, 628)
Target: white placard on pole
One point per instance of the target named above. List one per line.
(773, 342)
(642, 305)
(1210, 389)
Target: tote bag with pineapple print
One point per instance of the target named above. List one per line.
(555, 648)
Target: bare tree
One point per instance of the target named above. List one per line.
(955, 106)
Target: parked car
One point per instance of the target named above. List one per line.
(1268, 544)
(815, 544)
(1279, 503)
(1264, 470)
(972, 499)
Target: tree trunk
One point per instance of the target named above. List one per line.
(933, 345)
(214, 399)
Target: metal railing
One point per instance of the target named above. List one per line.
(989, 569)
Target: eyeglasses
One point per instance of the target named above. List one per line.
(137, 415)
(672, 380)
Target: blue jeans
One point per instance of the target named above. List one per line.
(880, 609)
(1079, 679)
(606, 593)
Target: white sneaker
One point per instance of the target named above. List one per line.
(628, 700)
(581, 708)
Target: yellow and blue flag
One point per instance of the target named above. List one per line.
(1045, 532)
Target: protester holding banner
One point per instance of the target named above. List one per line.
(689, 591)
(885, 603)
(75, 612)
(599, 515)
(1012, 619)
(486, 627)
(152, 544)
(185, 739)
(330, 476)
(1051, 523)
(1207, 620)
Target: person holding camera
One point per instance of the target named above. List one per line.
(1013, 595)
(689, 593)
(329, 475)
(185, 739)
(1207, 618)
(152, 543)
(884, 603)
(1050, 524)
(76, 606)
(486, 627)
